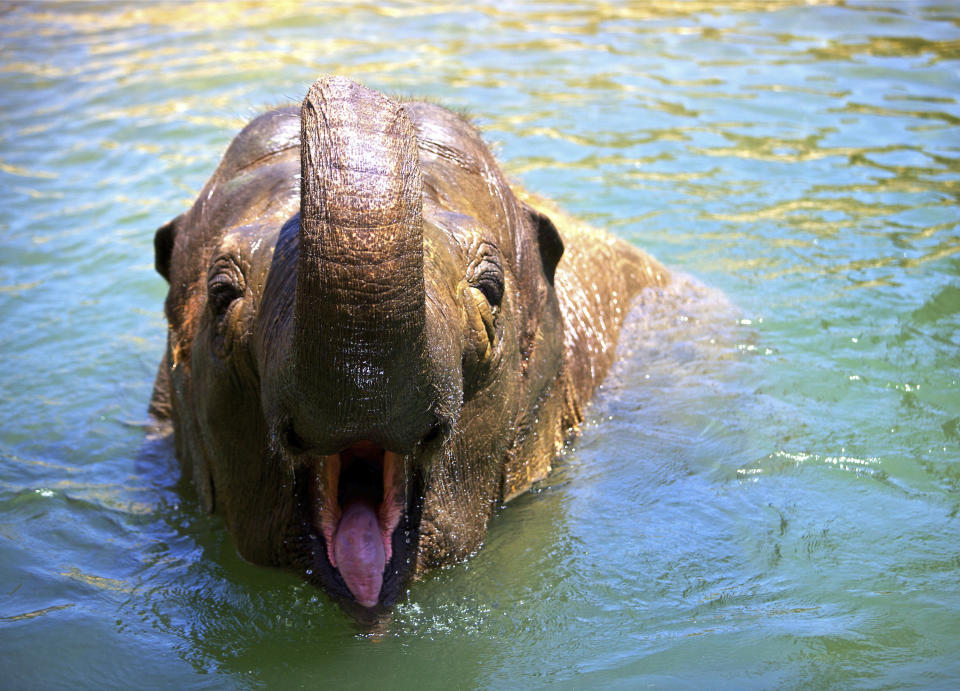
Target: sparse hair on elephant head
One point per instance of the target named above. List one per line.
(373, 341)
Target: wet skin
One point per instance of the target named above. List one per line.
(374, 339)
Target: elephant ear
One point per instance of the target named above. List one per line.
(540, 240)
(163, 243)
(548, 240)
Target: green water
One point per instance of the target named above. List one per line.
(764, 497)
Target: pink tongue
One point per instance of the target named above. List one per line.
(358, 549)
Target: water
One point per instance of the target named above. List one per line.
(761, 497)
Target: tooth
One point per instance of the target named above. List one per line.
(329, 509)
(391, 508)
(332, 476)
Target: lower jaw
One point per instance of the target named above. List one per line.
(398, 515)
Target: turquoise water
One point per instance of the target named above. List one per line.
(763, 496)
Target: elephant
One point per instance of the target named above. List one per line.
(375, 339)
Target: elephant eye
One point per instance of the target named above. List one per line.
(489, 281)
(224, 287)
(492, 289)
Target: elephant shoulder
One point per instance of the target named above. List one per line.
(596, 281)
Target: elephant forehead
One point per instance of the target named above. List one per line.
(274, 132)
(457, 229)
(263, 200)
(251, 245)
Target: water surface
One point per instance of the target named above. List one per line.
(763, 496)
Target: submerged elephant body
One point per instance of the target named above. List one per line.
(373, 340)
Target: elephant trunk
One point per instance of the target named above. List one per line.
(359, 350)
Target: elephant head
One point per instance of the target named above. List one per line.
(365, 342)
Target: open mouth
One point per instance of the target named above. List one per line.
(359, 499)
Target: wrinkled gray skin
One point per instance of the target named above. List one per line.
(373, 340)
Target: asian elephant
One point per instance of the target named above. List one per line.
(375, 339)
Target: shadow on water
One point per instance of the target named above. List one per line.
(220, 615)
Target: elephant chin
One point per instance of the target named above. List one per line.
(359, 498)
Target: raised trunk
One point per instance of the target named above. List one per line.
(360, 359)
